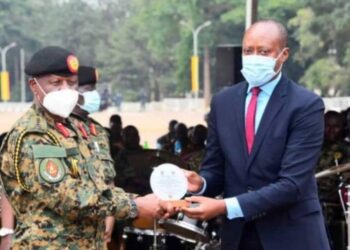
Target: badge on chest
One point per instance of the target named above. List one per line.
(51, 170)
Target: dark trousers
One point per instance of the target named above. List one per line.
(250, 238)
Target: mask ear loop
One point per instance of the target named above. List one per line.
(41, 89)
(280, 68)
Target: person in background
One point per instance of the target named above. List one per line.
(346, 114)
(181, 145)
(190, 133)
(166, 140)
(143, 100)
(7, 217)
(115, 138)
(127, 177)
(96, 137)
(7, 223)
(335, 151)
(118, 100)
(197, 150)
(105, 99)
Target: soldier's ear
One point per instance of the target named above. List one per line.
(33, 86)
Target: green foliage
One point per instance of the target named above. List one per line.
(327, 76)
(140, 44)
(323, 33)
(309, 43)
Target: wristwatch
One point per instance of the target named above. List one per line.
(133, 210)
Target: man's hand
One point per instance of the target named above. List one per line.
(150, 206)
(109, 224)
(194, 180)
(204, 208)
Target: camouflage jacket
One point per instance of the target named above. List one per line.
(96, 139)
(52, 182)
(194, 159)
(331, 155)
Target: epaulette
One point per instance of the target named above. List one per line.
(99, 126)
(94, 121)
(31, 121)
(37, 124)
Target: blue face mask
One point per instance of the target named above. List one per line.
(259, 70)
(92, 101)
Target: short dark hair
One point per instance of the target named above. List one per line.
(116, 119)
(281, 29)
(336, 115)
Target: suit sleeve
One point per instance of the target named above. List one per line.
(214, 160)
(297, 166)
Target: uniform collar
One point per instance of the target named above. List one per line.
(49, 119)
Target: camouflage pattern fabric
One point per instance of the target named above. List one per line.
(194, 160)
(98, 143)
(331, 155)
(55, 189)
(336, 153)
(96, 138)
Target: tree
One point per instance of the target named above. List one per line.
(322, 30)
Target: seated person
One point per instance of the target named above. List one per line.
(115, 138)
(196, 154)
(169, 137)
(130, 175)
(335, 151)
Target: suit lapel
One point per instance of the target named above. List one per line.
(239, 116)
(275, 104)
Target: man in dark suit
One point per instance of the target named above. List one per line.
(264, 140)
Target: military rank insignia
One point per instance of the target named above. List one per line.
(51, 170)
(72, 63)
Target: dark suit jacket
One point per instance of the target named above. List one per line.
(275, 184)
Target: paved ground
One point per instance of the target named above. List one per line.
(151, 124)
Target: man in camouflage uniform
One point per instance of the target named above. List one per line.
(196, 155)
(95, 137)
(335, 151)
(50, 177)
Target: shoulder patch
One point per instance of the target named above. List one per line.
(51, 170)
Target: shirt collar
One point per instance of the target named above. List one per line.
(268, 87)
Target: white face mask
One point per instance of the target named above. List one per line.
(60, 102)
(92, 101)
(259, 70)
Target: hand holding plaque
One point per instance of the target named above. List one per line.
(169, 183)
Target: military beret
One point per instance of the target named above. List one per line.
(87, 75)
(52, 60)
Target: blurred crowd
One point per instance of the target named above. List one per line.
(181, 145)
